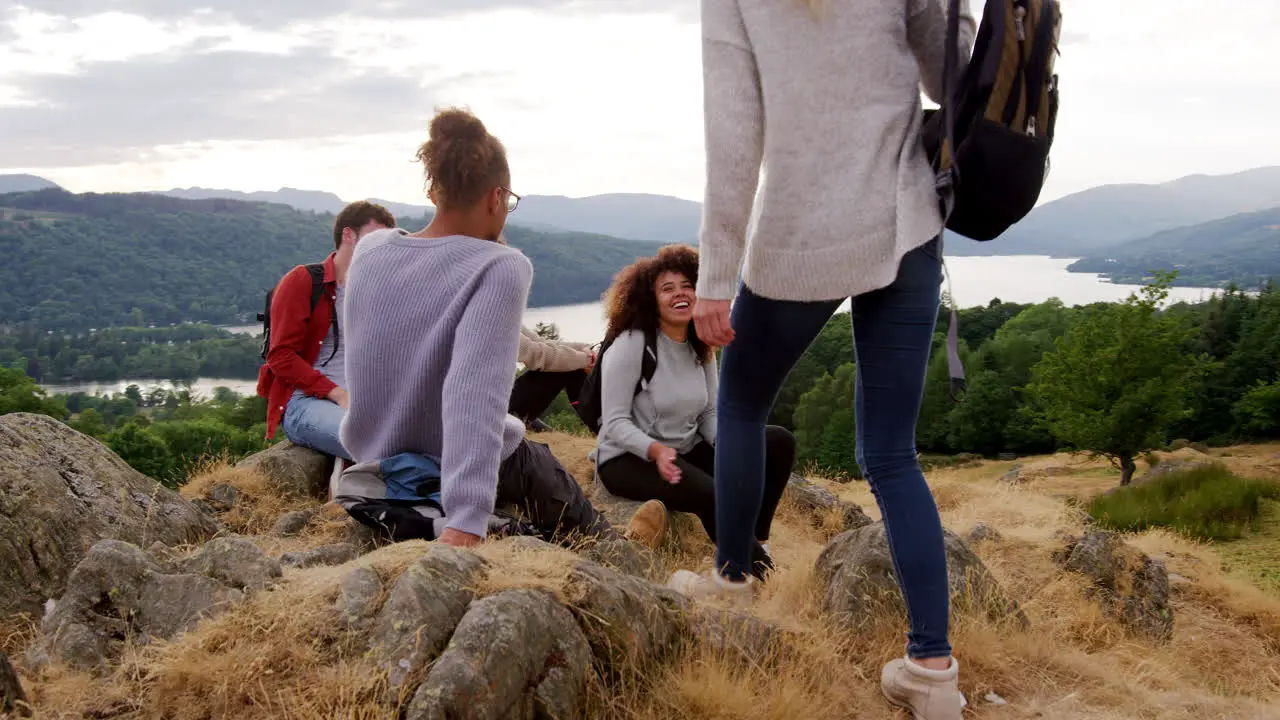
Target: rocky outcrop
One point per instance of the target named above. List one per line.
(61, 492)
(233, 561)
(822, 505)
(332, 554)
(1132, 588)
(517, 654)
(293, 523)
(857, 570)
(293, 470)
(425, 604)
(119, 592)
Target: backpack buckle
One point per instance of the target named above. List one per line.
(944, 181)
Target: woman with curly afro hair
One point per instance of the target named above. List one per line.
(657, 438)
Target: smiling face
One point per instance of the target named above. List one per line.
(675, 294)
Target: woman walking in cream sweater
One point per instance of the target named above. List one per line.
(823, 97)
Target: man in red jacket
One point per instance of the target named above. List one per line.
(303, 376)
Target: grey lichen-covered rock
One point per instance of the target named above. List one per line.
(737, 636)
(857, 569)
(622, 555)
(222, 497)
(234, 561)
(120, 592)
(359, 597)
(981, 533)
(629, 622)
(292, 469)
(1132, 588)
(334, 554)
(424, 606)
(61, 492)
(293, 523)
(517, 655)
(821, 503)
(1168, 467)
(1014, 476)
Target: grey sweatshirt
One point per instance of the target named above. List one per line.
(845, 188)
(677, 408)
(431, 329)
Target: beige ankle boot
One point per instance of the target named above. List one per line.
(649, 525)
(928, 694)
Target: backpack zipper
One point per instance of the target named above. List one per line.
(1019, 17)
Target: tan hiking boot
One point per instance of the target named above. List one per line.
(649, 525)
(928, 694)
(712, 587)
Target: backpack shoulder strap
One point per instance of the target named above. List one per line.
(649, 360)
(316, 271)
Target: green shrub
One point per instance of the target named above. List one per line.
(1205, 502)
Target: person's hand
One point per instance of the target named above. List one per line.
(711, 318)
(591, 365)
(665, 458)
(459, 539)
(339, 396)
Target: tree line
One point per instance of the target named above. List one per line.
(1113, 379)
(179, 353)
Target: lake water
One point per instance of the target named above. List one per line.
(974, 281)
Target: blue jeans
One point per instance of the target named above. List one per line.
(313, 422)
(892, 333)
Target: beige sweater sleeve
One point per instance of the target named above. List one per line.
(734, 129)
(537, 353)
(927, 35)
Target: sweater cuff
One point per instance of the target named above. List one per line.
(469, 519)
(718, 270)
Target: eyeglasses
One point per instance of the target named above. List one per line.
(513, 200)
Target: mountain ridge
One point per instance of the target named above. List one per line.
(79, 261)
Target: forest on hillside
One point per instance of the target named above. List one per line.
(1115, 379)
(79, 262)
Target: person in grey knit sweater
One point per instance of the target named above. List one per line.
(819, 189)
(432, 325)
(657, 438)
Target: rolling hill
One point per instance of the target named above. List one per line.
(79, 261)
(1101, 217)
(23, 183)
(1243, 248)
(656, 218)
(1072, 226)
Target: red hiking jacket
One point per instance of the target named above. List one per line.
(296, 336)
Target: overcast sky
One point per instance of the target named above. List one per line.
(590, 96)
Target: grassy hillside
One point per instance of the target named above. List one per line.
(1243, 248)
(280, 655)
(75, 262)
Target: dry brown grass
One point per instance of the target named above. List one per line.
(281, 654)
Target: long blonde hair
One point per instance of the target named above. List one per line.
(816, 7)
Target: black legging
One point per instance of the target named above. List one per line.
(637, 478)
(535, 390)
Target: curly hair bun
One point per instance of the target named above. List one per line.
(462, 160)
(457, 125)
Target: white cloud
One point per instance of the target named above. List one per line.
(592, 99)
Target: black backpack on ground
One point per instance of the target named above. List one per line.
(316, 271)
(989, 142)
(588, 404)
